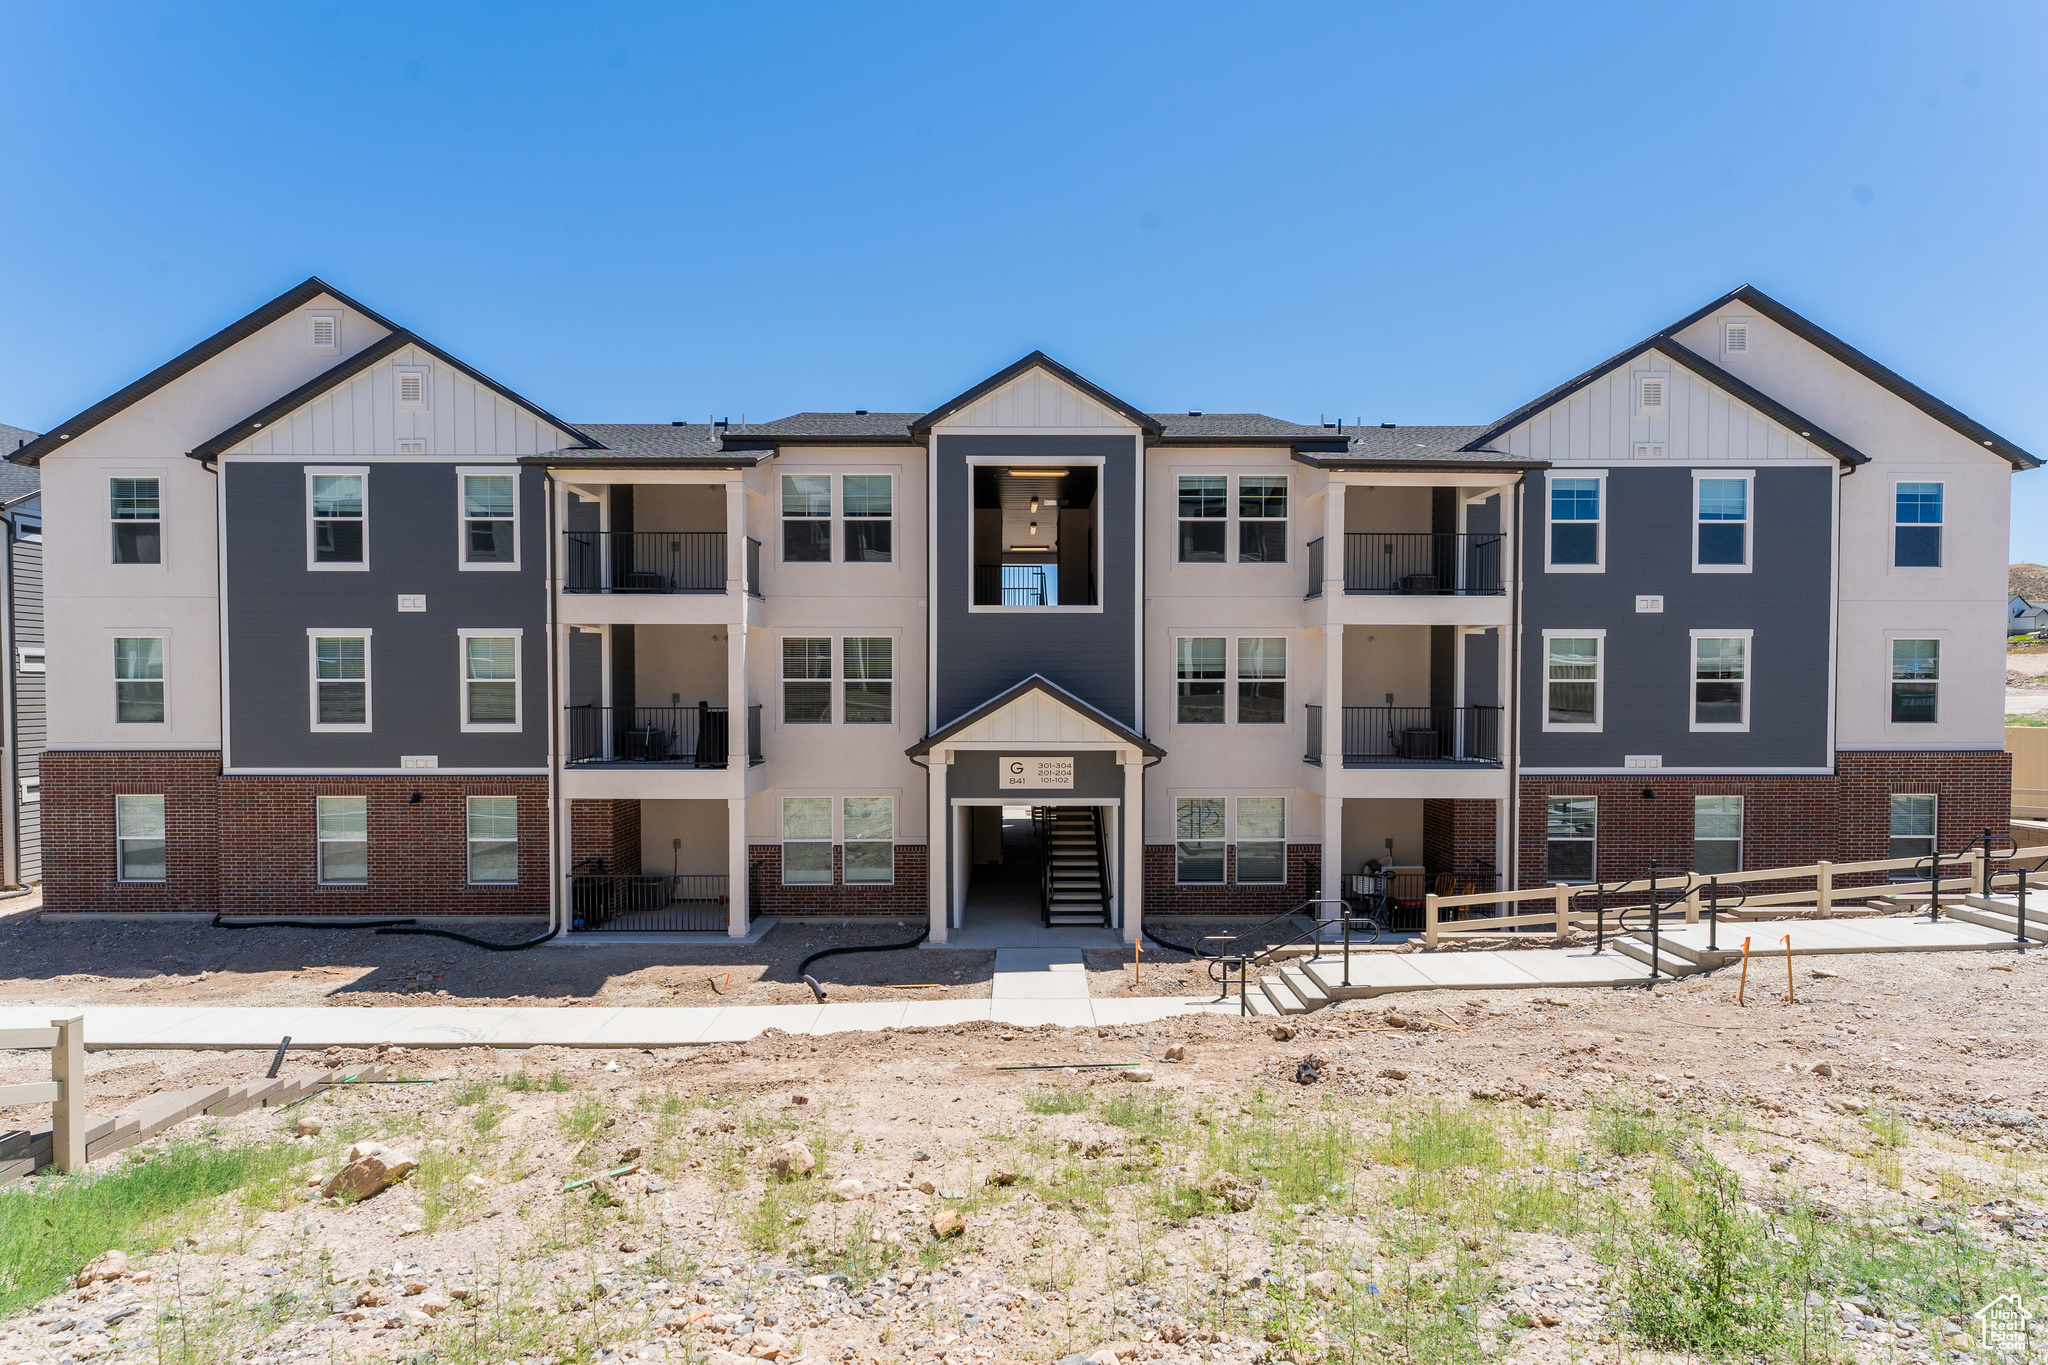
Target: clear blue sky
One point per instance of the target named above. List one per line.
(1400, 212)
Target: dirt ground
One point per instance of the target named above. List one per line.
(189, 962)
(1899, 1102)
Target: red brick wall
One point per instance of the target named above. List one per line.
(1164, 897)
(1787, 821)
(906, 897)
(606, 829)
(79, 788)
(1458, 836)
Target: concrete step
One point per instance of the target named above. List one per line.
(1283, 997)
(1304, 986)
(2000, 915)
(1262, 1006)
(1668, 962)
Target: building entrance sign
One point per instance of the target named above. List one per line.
(1037, 772)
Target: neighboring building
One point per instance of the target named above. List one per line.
(21, 644)
(2023, 617)
(1704, 606)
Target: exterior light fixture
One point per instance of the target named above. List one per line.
(1038, 473)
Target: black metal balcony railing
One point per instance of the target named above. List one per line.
(1012, 585)
(1422, 563)
(622, 904)
(753, 567)
(1315, 568)
(1421, 734)
(1313, 743)
(644, 561)
(677, 736)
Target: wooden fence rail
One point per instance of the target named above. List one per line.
(64, 1092)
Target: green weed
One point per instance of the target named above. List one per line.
(1700, 1275)
(1054, 1100)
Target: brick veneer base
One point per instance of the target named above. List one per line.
(904, 897)
(1458, 836)
(1788, 821)
(1163, 896)
(608, 831)
(249, 844)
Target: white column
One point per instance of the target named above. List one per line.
(1333, 702)
(736, 697)
(736, 543)
(1333, 542)
(1333, 854)
(1458, 689)
(937, 824)
(1132, 824)
(736, 888)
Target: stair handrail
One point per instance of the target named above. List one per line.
(1039, 826)
(1652, 874)
(1243, 964)
(1101, 859)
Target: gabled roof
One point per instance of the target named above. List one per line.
(1424, 448)
(1037, 360)
(380, 350)
(16, 482)
(284, 303)
(1037, 682)
(1752, 297)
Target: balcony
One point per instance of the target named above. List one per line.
(1412, 736)
(649, 562)
(1417, 564)
(664, 736)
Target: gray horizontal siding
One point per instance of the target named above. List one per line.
(30, 701)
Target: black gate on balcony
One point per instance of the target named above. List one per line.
(644, 561)
(615, 903)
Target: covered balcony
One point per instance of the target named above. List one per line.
(683, 670)
(653, 540)
(1414, 696)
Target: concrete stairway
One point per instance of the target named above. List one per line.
(1073, 848)
(2001, 913)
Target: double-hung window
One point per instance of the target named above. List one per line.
(1198, 839)
(1916, 526)
(1916, 681)
(806, 518)
(340, 665)
(1716, 834)
(490, 520)
(139, 680)
(870, 670)
(138, 521)
(867, 512)
(807, 681)
(139, 838)
(344, 839)
(490, 679)
(1576, 537)
(1912, 826)
(1200, 665)
(493, 840)
(1570, 827)
(1204, 518)
(1262, 519)
(1261, 840)
(1261, 681)
(1572, 680)
(870, 834)
(806, 841)
(335, 520)
(1721, 520)
(1720, 681)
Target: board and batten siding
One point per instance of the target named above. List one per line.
(25, 611)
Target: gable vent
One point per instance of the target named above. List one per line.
(1738, 338)
(326, 333)
(1651, 391)
(412, 386)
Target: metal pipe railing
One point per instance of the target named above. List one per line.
(1423, 563)
(643, 561)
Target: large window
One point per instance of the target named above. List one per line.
(1916, 526)
(806, 841)
(1575, 540)
(1198, 839)
(1570, 823)
(1261, 840)
(1716, 834)
(344, 838)
(868, 509)
(870, 670)
(139, 838)
(494, 840)
(1262, 681)
(1916, 681)
(807, 681)
(1200, 665)
(490, 521)
(139, 679)
(806, 518)
(335, 522)
(341, 679)
(1037, 536)
(1721, 525)
(1572, 682)
(870, 834)
(490, 681)
(138, 521)
(1912, 829)
(1262, 519)
(1720, 682)
(1204, 518)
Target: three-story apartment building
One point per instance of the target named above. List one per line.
(338, 625)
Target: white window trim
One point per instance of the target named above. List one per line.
(1748, 477)
(1593, 842)
(469, 843)
(31, 659)
(319, 840)
(498, 727)
(1235, 537)
(830, 841)
(835, 700)
(1599, 683)
(32, 790)
(1741, 830)
(398, 373)
(462, 473)
(146, 633)
(120, 838)
(1229, 828)
(1891, 549)
(843, 521)
(1235, 863)
(1173, 676)
(1599, 564)
(1692, 666)
(1102, 519)
(840, 681)
(1901, 727)
(834, 500)
(1933, 838)
(314, 634)
(163, 533)
(361, 471)
(839, 828)
(1233, 689)
(29, 530)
